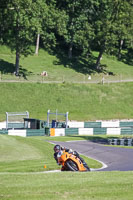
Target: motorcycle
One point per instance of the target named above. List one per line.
(70, 162)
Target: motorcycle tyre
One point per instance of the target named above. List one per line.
(71, 165)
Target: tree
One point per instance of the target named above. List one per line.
(73, 24)
(20, 23)
(110, 24)
(41, 14)
(49, 25)
(124, 25)
(102, 17)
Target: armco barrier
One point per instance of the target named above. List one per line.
(113, 131)
(110, 124)
(85, 131)
(4, 132)
(77, 128)
(100, 124)
(15, 125)
(24, 132)
(126, 124)
(18, 132)
(99, 131)
(75, 124)
(90, 131)
(92, 124)
(127, 131)
(71, 131)
(68, 131)
(35, 132)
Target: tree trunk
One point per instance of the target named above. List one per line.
(99, 59)
(37, 44)
(17, 63)
(120, 48)
(70, 50)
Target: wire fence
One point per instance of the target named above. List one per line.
(65, 79)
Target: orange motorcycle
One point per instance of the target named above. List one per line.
(70, 162)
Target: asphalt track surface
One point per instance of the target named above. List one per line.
(112, 158)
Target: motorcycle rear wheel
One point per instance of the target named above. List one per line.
(71, 165)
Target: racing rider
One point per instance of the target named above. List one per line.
(58, 148)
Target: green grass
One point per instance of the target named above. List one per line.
(30, 154)
(13, 149)
(121, 71)
(67, 185)
(83, 102)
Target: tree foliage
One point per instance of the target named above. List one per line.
(21, 19)
(102, 25)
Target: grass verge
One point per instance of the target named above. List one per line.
(67, 185)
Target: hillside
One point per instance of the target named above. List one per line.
(60, 69)
(82, 101)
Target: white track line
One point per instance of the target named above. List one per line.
(25, 173)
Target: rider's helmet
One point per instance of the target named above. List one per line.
(57, 148)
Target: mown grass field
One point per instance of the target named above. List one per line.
(22, 177)
(67, 185)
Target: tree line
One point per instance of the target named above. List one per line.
(76, 27)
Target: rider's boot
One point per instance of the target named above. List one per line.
(84, 163)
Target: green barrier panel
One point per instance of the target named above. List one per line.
(4, 132)
(71, 131)
(15, 125)
(99, 131)
(92, 124)
(127, 131)
(126, 124)
(35, 132)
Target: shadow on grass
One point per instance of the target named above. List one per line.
(81, 64)
(6, 67)
(96, 139)
(9, 68)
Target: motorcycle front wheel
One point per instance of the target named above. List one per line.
(71, 165)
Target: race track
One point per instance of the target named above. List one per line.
(113, 158)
